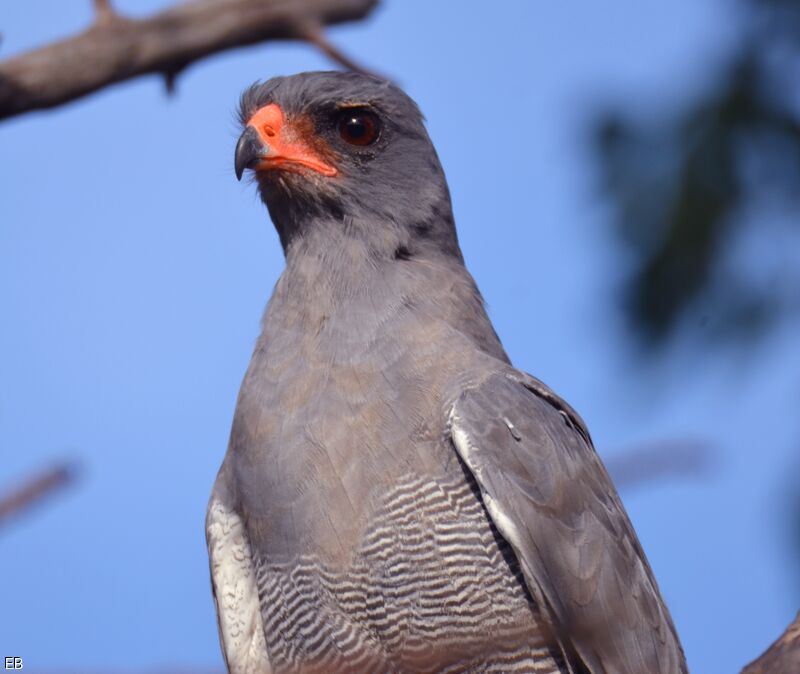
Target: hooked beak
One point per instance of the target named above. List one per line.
(249, 151)
(266, 145)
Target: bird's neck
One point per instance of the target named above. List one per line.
(335, 264)
(343, 286)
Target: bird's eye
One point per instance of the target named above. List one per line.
(359, 127)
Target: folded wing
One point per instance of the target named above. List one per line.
(550, 497)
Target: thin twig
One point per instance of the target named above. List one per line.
(317, 38)
(35, 489)
(104, 11)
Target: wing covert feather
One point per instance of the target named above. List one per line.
(550, 496)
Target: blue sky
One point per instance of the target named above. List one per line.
(134, 270)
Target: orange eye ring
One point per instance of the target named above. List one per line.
(359, 127)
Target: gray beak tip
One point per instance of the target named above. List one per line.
(249, 151)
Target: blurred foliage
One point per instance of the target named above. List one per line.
(700, 195)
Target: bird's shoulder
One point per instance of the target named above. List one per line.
(550, 496)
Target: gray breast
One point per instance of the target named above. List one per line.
(432, 588)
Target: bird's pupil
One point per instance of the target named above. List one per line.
(356, 127)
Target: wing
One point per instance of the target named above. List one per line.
(550, 497)
(233, 581)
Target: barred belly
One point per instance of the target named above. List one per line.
(433, 588)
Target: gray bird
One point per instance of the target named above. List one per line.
(396, 497)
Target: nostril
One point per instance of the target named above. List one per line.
(268, 130)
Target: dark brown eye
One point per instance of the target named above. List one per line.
(359, 127)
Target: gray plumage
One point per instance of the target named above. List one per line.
(396, 497)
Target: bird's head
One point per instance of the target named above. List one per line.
(344, 148)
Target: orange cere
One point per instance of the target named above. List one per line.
(289, 147)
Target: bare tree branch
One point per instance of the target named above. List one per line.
(667, 459)
(34, 490)
(116, 48)
(782, 656)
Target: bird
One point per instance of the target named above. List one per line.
(396, 496)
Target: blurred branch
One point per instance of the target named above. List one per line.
(693, 190)
(678, 458)
(782, 656)
(116, 49)
(35, 490)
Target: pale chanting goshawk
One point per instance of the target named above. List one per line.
(396, 496)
